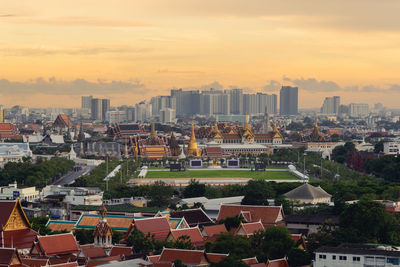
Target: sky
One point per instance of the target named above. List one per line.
(52, 52)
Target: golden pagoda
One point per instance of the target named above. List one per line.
(316, 135)
(153, 138)
(248, 135)
(276, 132)
(218, 134)
(192, 148)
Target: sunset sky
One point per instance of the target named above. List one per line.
(52, 52)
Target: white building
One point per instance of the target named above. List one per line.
(331, 105)
(116, 116)
(12, 191)
(75, 195)
(143, 111)
(391, 148)
(13, 152)
(358, 110)
(357, 256)
(167, 115)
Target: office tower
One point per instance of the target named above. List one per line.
(87, 102)
(143, 111)
(236, 99)
(97, 109)
(250, 103)
(167, 115)
(187, 102)
(331, 105)
(215, 102)
(130, 114)
(162, 102)
(358, 110)
(105, 106)
(265, 100)
(288, 100)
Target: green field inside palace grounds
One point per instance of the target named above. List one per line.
(229, 173)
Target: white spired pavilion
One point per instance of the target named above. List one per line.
(103, 232)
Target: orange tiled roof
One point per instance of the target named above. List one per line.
(250, 260)
(278, 263)
(250, 228)
(52, 245)
(188, 257)
(214, 229)
(194, 235)
(157, 226)
(119, 251)
(215, 257)
(267, 214)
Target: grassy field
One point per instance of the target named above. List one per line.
(269, 175)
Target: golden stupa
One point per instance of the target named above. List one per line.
(276, 132)
(192, 148)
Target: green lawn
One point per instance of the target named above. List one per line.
(270, 175)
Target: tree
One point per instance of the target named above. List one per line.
(378, 147)
(160, 194)
(139, 242)
(277, 242)
(183, 242)
(39, 225)
(194, 189)
(232, 222)
(257, 192)
(298, 257)
(84, 236)
(237, 246)
(178, 263)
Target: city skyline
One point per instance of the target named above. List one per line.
(129, 50)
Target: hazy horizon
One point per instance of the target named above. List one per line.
(129, 51)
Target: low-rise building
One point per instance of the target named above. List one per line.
(13, 152)
(354, 255)
(391, 148)
(74, 195)
(12, 192)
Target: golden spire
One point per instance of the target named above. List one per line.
(192, 148)
(277, 133)
(246, 123)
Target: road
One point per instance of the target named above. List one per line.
(73, 175)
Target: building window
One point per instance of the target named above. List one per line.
(322, 256)
(343, 258)
(356, 258)
(333, 257)
(393, 261)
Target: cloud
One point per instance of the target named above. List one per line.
(86, 22)
(52, 86)
(7, 15)
(272, 86)
(214, 85)
(167, 71)
(391, 88)
(22, 52)
(313, 85)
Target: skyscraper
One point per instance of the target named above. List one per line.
(331, 105)
(87, 102)
(288, 100)
(97, 109)
(105, 106)
(236, 99)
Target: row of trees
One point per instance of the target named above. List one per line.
(37, 174)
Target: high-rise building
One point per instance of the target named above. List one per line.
(87, 102)
(143, 111)
(265, 100)
(236, 99)
(105, 107)
(97, 109)
(167, 115)
(358, 110)
(162, 102)
(331, 105)
(289, 100)
(215, 102)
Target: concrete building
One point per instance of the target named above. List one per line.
(87, 102)
(75, 195)
(167, 115)
(143, 111)
(331, 105)
(391, 148)
(236, 101)
(116, 116)
(12, 192)
(97, 109)
(357, 255)
(358, 110)
(105, 107)
(13, 152)
(289, 100)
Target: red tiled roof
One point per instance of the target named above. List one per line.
(21, 239)
(95, 252)
(119, 251)
(166, 264)
(99, 261)
(194, 235)
(250, 228)
(68, 264)
(214, 229)
(267, 214)
(250, 260)
(215, 257)
(6, 256)
(58, 244)
(192, 257)
(262, 264)
(277, 263)
(35, 262)
(6, 208)
(55, 261)
(157, 226)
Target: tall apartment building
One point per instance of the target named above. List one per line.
(358, 110)
(215, 102)
(289, 100)
(99, 109)
(167, 115)
(87, 102)
(105, 107)
(331, 105)
(162, 102)
(256, 103)
(143, 111)
(236, 101)
(187, 102)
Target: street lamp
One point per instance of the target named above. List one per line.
(304, 164)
